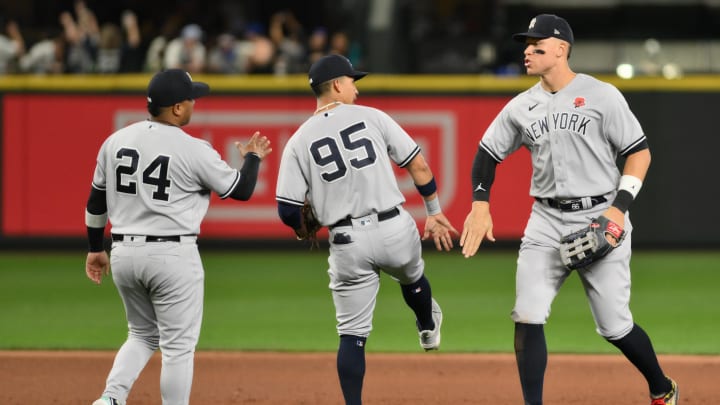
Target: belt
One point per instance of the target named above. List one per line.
(573, 204)
(148, 238)
(381, 217)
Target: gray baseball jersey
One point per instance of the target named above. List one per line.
(158, 179)
(341, 161)
(349, 149)
(574, 136)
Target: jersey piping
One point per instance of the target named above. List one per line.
(410, 157)
(491, 153)
(232, 187)
(633, 145)
(289, 201)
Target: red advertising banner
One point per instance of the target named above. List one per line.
(50, 143)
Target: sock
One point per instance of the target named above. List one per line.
(351, 367)
(636, 346)
(531, 357)
(418, 297)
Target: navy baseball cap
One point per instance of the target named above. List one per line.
(545, 26)
(332, 66)
(174, 86)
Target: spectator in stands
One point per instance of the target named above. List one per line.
(46, 56)
(82, 38)
(286, 33)
(259, 48)
(155, 55)
(317, 45)
(340, 43)
(227, 56)
(119, 49)
(186, 52)
(132, 54)
(12, 47)
(109, 49)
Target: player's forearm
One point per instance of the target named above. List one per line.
(637, 164)
(634, 171)
(483, 175)
(419, 170)
(96, 219)
(248, 178)
(425, 183)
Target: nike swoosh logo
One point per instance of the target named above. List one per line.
(532, 107)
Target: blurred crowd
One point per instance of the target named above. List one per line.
(82, 44)
(286, 36)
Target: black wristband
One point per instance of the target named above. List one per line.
(622, 201)
(428, 189)
(95, 239)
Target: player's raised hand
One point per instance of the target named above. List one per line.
(478, 226)
(257, 144)
(97, 264)
(441, 230)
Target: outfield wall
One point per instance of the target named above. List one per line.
(52, 128)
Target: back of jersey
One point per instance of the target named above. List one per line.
(343, 158)
(158, 179)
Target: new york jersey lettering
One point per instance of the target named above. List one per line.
(573, 122)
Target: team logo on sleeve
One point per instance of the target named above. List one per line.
(579, 102)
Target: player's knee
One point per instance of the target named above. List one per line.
(361, 331)
(615, 333)
(151, 341)
(529, 315)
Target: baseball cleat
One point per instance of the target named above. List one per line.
(430, 339)
(105, 401)
(671, 398)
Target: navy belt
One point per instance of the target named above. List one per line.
(381, 217)
(573, 204)
(149, 238)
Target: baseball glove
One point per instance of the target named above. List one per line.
(310, 225)
(589, 244)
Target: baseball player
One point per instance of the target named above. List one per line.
(340, 161)
(574, 127)
(153, 182)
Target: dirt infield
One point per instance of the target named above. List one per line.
(397, 379)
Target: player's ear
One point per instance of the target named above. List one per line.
(564, 49)
(177, 109)
(336, 84)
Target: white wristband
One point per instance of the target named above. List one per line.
(432, 207)
(631, 184)
(95, 221)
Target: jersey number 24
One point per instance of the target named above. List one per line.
(155, 174)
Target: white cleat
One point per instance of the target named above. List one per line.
(430, 339)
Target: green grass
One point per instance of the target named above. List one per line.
(280, 301)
